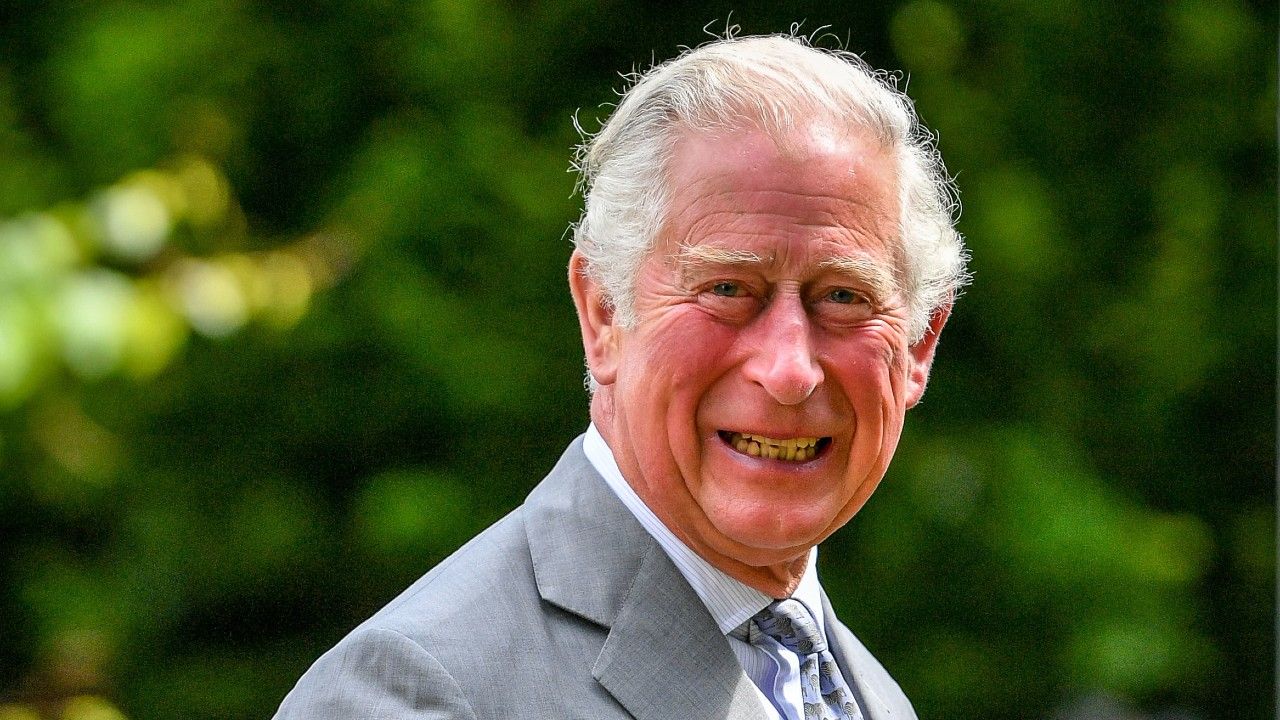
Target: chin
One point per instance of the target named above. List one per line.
(769, 540)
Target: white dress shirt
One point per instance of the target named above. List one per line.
(773, 669)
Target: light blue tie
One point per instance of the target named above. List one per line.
(825, 695)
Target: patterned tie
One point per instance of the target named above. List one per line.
(826, 697)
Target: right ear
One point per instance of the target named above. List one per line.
(595, 316)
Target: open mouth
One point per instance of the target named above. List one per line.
(797, 449)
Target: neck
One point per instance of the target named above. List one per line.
(777, 581)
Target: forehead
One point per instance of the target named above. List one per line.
(817, 189)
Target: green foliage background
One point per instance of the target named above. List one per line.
(283, 321)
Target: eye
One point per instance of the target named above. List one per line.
(843, 307)
(724, 288)
(844, 296)
(734, 301)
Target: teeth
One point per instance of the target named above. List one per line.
(794, 449)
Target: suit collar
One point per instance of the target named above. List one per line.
(664, 656)
(586, 546)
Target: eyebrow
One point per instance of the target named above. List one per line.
(875, 276)
(691, 256)
(880, 281)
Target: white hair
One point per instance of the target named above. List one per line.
(775, 83)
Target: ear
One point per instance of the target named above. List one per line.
(920, 355)
(595, 317)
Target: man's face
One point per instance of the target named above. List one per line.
(758, 399)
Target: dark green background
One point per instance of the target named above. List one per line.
(209, 474)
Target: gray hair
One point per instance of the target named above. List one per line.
(775, 83)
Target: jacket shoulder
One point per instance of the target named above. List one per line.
(491, 570)
(376, 674)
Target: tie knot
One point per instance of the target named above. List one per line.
(789, 622)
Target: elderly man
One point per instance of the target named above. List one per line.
(766, 259)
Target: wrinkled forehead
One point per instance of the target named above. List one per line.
(835, 181)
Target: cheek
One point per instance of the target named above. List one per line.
(871, 375)
(666, 377)
(684, 353)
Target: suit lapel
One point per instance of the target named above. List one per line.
(586, 546)
(664, 655)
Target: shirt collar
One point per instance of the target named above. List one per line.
(730, 602)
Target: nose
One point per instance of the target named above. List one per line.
(783, 361)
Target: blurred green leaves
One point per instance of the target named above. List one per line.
(106, 287)
(927, 36)
(408, 514)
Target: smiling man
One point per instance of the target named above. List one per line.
(763, 268)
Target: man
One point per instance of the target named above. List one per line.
(763, 267)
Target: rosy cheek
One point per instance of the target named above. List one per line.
(693, 344)
(863, 368)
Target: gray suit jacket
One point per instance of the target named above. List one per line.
(566, 608)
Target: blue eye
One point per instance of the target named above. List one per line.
(726, 289)
(843, 296)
